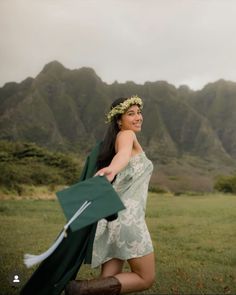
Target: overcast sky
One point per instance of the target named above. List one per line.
(189, 42)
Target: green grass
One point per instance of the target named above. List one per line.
(194, 240)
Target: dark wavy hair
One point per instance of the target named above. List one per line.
(107, 150)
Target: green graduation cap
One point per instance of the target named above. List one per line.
(95, 197)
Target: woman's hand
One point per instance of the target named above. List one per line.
(106, 171)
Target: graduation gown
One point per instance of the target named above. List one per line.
(62, 265)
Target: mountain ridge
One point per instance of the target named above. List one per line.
(65, 109)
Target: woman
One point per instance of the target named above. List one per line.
(124, 163)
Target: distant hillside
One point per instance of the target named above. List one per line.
(23, 163)
(217, 102)
(64, 109)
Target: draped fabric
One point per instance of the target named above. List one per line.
(127, 236)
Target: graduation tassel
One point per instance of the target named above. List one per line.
(30, 260)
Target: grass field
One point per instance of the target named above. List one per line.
(194, 239)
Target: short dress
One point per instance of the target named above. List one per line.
(128, 236)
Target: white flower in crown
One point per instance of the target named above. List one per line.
(122, 107)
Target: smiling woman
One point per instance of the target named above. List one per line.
(126, 238)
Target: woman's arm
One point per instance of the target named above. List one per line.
(124, 146)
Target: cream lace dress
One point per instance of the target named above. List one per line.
(127, 236)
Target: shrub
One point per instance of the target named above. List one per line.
(42, 174)
(226, 184)
(157, 189)
(11, 174)
(27, 163)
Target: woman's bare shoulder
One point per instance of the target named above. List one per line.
(126, 134)
(125, 139)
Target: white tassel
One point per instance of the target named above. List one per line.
(30, 260)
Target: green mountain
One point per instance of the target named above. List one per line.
(186, 133)
(217, 102)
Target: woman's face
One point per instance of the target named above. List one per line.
(131, 120)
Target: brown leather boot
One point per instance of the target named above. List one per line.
(101, 286)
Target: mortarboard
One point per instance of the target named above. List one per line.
(100, 196)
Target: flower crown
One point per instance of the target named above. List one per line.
(123, 106)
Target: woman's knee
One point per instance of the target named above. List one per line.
(144, 267)
(148, 281)
(111, 267)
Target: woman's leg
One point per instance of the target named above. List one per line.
(114, 281)
(142, 274)
(111, 267)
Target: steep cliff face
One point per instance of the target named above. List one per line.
(217, 102)
(51, 109)
(66, 108)
(190, 135)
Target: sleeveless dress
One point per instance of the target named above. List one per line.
(127, 236)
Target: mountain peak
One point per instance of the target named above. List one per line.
(220, 83)
(88, 72)
(53, 66)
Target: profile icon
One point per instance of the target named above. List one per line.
(16, 279)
